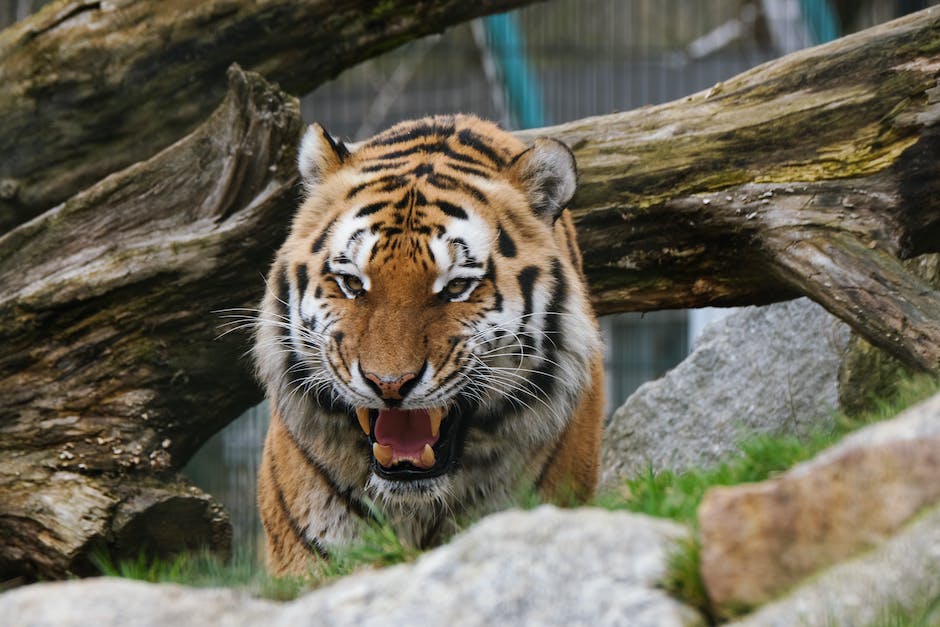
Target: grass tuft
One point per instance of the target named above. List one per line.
(379, 547)
(202, 569)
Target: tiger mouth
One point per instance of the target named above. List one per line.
(409, 444)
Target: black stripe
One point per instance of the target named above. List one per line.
(439, 147)
(556, 305)
(468, 170)
(282, 293)
(542, 382)
(497, 295)
(548, 462)
(378, 167)
(312, 545)
(338, 147)
(302, 279)
(462, 157)
(422, 170)
(370, 209)
(393, 182)
(454, 342)
(448, 183)
(452, 210)
(526, 280)
(435, 128)
(397, 180)
(507, 247)
(494, 417)
(472, 140)
(321, 239)
(351, 503)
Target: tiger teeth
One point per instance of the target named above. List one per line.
(382, 454)
(436, 414)
(427, 456)
(362, 414)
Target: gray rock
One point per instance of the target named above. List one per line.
(767, 369)
(104, 602)
(544, 567)
(903, 572)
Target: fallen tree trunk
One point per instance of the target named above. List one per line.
(811, 175)
(91, 87)
(112, 371)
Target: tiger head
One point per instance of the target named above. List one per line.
(425, 296)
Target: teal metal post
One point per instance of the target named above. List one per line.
(822, 21)
(523, 92)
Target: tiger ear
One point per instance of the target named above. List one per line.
(548, 175)
(320, 155)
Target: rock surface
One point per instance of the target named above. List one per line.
(767, 369)
(903, 572)
(545, 567)
(113, 602)
(760, 539)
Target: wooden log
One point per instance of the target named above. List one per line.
(703, 201)
(113, 371)
(91, 87)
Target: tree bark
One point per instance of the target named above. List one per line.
(91, 87)
(810, 175)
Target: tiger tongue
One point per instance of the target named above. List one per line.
(403, 435)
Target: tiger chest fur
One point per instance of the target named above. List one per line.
(426, 339)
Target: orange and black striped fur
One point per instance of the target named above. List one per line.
(426, 338)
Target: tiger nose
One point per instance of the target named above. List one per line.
(391, 388)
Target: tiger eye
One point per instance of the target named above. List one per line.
(456, 287)
(353, 284)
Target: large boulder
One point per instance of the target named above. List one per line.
(760, 539)
(900, 575)
(544, 567)
(770, 369)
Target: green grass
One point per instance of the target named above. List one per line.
(379, 547)
(923, 614)
(202, 569)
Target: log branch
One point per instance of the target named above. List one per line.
(867, 287)
(92, 87)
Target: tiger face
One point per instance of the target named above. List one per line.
(426, 334)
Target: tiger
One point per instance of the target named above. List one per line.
(426, 339)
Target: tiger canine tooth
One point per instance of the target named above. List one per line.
(427, 456)
(436, 414)
(382, 454)
(362, 414)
